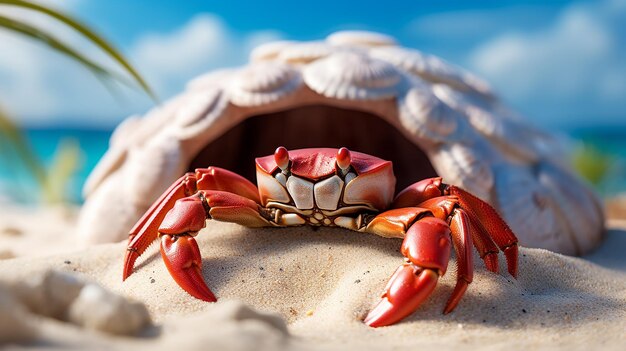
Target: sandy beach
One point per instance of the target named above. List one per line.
(300, 288)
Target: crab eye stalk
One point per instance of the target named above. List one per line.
(344, 159)
(281, 156)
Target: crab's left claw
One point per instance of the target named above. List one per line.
(427, 249)
(407, 289)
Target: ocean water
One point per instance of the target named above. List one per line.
(18, 185)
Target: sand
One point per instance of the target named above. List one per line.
(305, 289)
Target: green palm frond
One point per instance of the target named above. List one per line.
(59, 46)
(84, 31)
(52, 179)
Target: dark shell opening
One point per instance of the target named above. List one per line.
(315, 126)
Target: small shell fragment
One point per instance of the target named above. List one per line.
(198, 115)
(423, 114)
(360, 38)
(263, 83)
(302, 53)
(347, 75)
(269, 51)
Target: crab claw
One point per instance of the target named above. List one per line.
(182, 259)
(407, 289)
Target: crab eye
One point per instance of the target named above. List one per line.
(281, 156)
(343, 158)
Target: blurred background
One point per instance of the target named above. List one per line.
(561, 64)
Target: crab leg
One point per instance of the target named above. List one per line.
(427, 249)
(212, 178)
(489, 232)
(487, 221)
(462, 243)
(215, 178)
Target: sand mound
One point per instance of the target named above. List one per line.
(321, 283)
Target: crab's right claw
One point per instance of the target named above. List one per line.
(407, 289)
(146, 229)
(180, 250)
(182, 259)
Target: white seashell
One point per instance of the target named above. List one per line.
(431, 68)
(269, 51)
(301, 53)
(263, 83)
(198, 113)
(424, 115)
(465, 167)
(360, 38)
(529, 208)
(348, 75)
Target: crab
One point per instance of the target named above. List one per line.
(337, 188)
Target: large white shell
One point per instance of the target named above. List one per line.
(431, 68)
(360, 38)
(470, 137)
(348, 75)
(263, 83)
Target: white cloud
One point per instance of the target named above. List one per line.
(170, 60)
(573, 71)
(42, 87)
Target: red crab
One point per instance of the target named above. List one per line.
(330, 187)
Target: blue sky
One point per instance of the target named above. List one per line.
(560, 63)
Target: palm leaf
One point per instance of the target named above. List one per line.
(52, 180)
(89, 34)
(30, 31)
